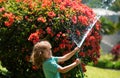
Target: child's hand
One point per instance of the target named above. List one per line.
(77, 61)
(77, 49)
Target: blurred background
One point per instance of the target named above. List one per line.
(110, 44)
(110, 20)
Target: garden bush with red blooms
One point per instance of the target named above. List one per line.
(116, 52)
(25, 22)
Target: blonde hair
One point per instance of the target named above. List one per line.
(37, 57)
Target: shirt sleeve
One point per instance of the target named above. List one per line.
(56, 59)
(52, 66)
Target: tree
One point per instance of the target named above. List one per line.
(116, 6)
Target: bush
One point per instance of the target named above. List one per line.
(117, 65)
(106, 61)
(116, 52)
(25, 22)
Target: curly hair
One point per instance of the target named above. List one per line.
(37, 57)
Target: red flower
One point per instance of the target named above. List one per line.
(40, 31)
(2, 9)
(92, 38)
(10, 17)
(32, 5)
(49, 31)
(87, 43)
(27, 58)
(83, 67)
(116, 50)
(56, 50)
(74, 19)
(83, 20)
(34, 37)
(63, 35)
(18, 0)
(58, 35)
(26, 17)
(62, 45)
(82, 54)
(34, 67)
(89, 53)
(57, 1)
(97, 26)
(95, 60)
(46, 3)
(51, 14)
(75, 6)
(62, 7)
(78, 32)
(89, 13)
(7, 23)
(41, 19)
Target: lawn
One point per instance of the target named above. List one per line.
(95, 72)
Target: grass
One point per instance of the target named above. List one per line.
(95, 72)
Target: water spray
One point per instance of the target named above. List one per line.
(106, 4)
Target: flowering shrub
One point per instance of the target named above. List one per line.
(116, 52)
(25, 22)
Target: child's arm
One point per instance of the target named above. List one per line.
(69, 67)
(68, 55)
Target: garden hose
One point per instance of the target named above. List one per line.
(79, 66)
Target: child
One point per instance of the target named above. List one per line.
(42, 58)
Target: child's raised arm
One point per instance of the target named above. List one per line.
(68, 55)
(69, 67)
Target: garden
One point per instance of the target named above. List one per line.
(23, 23)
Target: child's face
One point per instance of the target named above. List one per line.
(48, 52)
